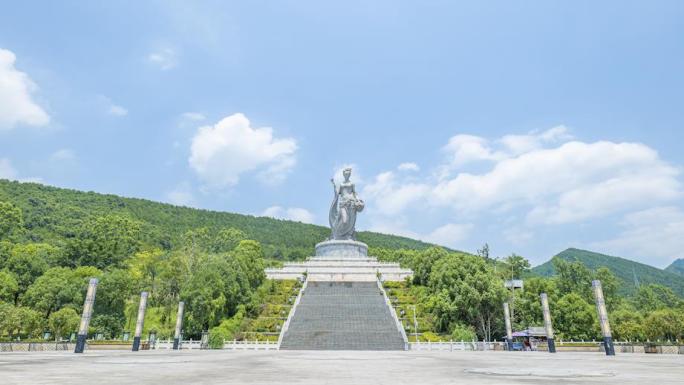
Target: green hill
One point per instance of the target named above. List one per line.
(51, 214)
(676, 267)
(624, 269)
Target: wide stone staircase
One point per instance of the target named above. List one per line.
(342, 316)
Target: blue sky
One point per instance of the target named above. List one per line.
(533, 126)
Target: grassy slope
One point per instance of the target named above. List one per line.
(624, 269)
(51, 213)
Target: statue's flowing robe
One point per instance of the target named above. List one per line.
(342, 217)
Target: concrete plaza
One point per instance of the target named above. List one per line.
(334, 367)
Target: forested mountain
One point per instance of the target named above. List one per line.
(52, 214)
(629, 273)
(676, 267)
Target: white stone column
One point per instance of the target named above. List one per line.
(140, 322)
(603, 317)
(509, 331)
(179, 325)
(547, 322)
(85, 317)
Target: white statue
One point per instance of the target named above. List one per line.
(343, 210)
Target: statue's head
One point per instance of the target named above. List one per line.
(347, 173)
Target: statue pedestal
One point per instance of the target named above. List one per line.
(338, 248)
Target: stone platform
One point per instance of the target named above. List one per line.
(341, 261)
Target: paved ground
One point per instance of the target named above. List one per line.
(294, 367)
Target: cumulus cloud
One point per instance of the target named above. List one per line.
(296, 214)
(232, 147)
(656, 233)
(16, 105)
(164, 59)
(450, 234)
(536, 179)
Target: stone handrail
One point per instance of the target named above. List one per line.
(394, 314)
(286, 325)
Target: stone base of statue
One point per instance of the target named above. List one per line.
(340, 261)
(340, 248)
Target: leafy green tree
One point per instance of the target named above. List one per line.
(664, 324)
(249, 255)
(109, 325)
(655, 297)
(627, 324)
(145, 266)
(15, 320)
(610, 286)
(57, 288)
(443, 309)
(575, 318)
(204, 296)
(115, 287)
(474, 290)
(9, 287)
(515, 265)
(63, 321)
(27, 264)
(573, 277)
(423, 262)
(528, 311)
(227, 240)
(460, 332)
(103, 242)
(11, 219)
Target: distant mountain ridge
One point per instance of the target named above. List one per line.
(676, 267)
(628, 272)
(51, 214)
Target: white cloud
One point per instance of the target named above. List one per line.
(450, 234)
(6, 169)
(16, 104)
(64, 154)
(536, 179)
(409, 166)
(392, 196)
(297, 214)
(194, 116)
(463, 149)
(222, 152)
(573, 182)
(655, 236)
(164, 59)
(117, 110)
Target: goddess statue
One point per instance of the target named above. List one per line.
(343, 210)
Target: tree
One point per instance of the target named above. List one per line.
(16, 319)
(8, 286)
(109, 325)
(473, 288)
(63, 321)
(627, 324)
(423, 262)
(664, 324)
(103, 242)
(227, 240)
(655, 297)
(575, 318)
(114, 289)
(27, 264)
(515, 266)
(573, 277)
(460, 332)
(528, 310)
(11, 219)
(250, 257)
(484, 252)
(57, 288)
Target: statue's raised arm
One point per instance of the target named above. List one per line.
(343, 209)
